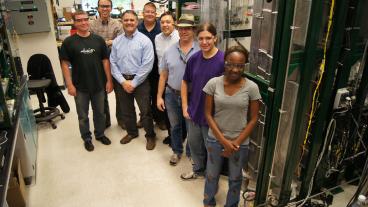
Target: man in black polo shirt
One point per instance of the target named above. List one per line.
(89, 79)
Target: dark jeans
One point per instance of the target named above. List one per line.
(158, 115)
(82, 101)
(141, 95)
(107, 110)
(119, 110)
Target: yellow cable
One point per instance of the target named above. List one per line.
(321, 71)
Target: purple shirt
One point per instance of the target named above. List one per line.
(197, 73)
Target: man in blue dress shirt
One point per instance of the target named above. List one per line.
(131, 58)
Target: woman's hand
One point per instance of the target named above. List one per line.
(229, 146)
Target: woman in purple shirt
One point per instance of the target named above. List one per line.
(201, 67)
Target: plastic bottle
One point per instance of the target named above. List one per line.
(361, 202)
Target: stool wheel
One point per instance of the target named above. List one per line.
(62, 116)
(53, 126)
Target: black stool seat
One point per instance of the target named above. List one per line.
(38, 84)
(43, 114)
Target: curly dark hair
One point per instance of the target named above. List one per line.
(239, 49)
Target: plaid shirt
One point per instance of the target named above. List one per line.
(107, 31)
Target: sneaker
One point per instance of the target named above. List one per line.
(167, 140)
(191, 176)
(174, 159)
(89, 146)
(151, 143)
(191, 160)
(127, 139)
(104, 140)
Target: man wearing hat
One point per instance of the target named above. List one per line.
(172, 68)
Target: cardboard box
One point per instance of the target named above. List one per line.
(16, 189)
(67, 12)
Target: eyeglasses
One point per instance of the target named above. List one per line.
(104, 6)
(235, 65)
(82, 20)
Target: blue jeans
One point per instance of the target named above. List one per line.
(214, 166)
(197, 136)
(82, 101)
(176, 118)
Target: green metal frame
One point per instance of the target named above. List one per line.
(311, 53)
(275, 93)
(262, 85)
(353, 55)
(326, 94)
(362, 90)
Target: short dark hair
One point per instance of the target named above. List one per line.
(150, 4)
(98, 3)
(207, 27)
(239, 49)
(78, 12)
(129, 12)
(168, 13)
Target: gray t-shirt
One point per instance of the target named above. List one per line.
(230, 112)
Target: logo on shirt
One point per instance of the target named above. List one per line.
(88, 51)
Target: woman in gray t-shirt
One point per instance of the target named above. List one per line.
(228, 99)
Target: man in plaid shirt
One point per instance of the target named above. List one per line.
(109, 29)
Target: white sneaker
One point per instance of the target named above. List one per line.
(191, 176)
(174, 159)
(191, 160)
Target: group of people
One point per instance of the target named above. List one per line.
(177, 76)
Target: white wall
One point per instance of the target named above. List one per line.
(44, 42)
(138, 4)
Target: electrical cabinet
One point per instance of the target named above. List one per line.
(17, 122)
(8, 79)
(28, 16)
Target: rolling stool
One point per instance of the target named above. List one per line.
(43, 114)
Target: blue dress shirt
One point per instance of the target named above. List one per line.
(131, 56)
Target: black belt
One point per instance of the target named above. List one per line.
(128, 77)
(177, 92)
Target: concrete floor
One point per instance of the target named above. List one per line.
(116, 175)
